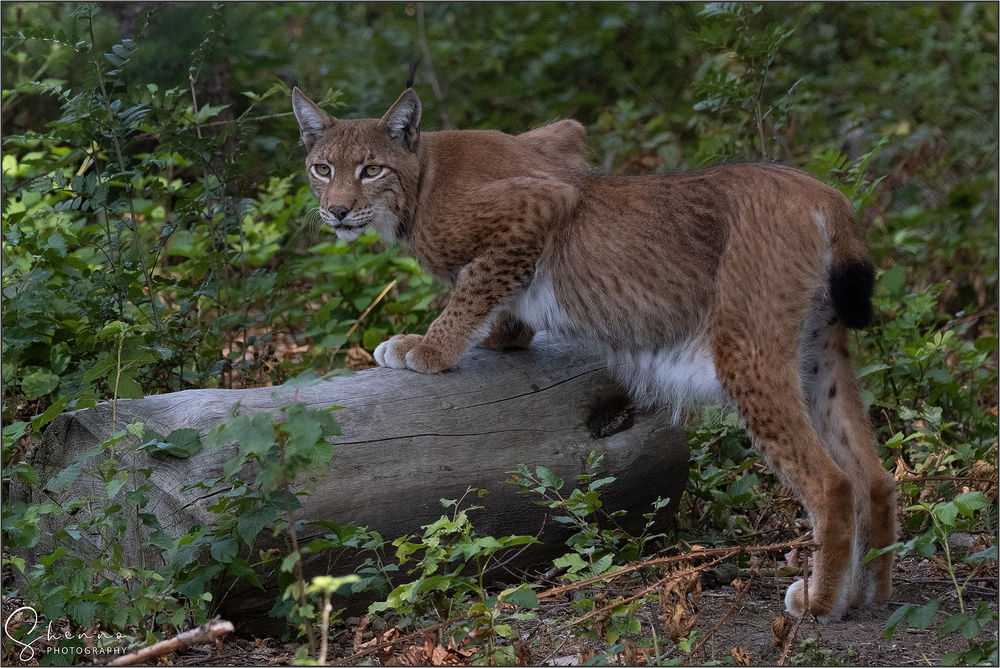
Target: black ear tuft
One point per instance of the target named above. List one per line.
(851, 288)
(289, 79)
(412, 74)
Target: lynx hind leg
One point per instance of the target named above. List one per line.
(833, 397)
(759, 373)
(507, 332)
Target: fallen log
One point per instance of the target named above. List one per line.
(408, 441)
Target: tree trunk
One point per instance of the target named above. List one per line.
(408, 441)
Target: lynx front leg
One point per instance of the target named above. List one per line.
(482, 286)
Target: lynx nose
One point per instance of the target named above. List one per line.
(339, 212)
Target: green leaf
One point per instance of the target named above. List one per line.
(253, 522)
(597, 484)
(946, 513)
(13, 432)
(952, 624)
(113, 487)
(127, 387)
(989, 554)
(62, 480)
(288, 563)
(971, 628)
(548, 478)
(182, 443)
(894, 619)
(39, 383)
(602, 564)
(920, 617)
(571, 561)
(224, 549)
(50, 414)
(969, 502)
(26, 472)
(81, 612)
(894, 281)
(521, 595)
(255, 435)
(241, 569)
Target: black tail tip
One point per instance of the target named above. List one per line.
(851, 288)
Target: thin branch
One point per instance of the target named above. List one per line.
(519, 552)
(425, 51)
(711, 552)
(659, 583)
(206, 633)
(737, 602)
(798, 622)
(395, 641)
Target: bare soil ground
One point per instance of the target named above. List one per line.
(730, 631)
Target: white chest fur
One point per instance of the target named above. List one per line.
(538, 308)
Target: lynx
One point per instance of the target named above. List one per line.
(736, 282)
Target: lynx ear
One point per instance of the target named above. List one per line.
(313, 121)
(402, 121)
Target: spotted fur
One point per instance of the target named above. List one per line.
(735, 282)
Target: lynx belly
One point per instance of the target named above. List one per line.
(666, 377)
(670, 378)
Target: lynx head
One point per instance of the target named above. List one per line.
(363, 171)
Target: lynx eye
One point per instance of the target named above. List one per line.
(321, 170)
(371, 171)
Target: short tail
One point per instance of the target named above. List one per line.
(851, 288)
(852, 273)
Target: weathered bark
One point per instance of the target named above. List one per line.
(409, 440)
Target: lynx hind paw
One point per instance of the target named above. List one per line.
(392, 353)
(795, 604)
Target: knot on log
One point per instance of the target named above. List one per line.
(609, 416)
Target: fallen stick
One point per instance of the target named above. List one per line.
(737, 602)
(206, 633)
(798, 621)
(646, 590)
(395, 641)
(726, 552)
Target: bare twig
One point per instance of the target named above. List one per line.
(519, 552)
(206, 633)
(737, 602)
(659, 583)
(425, 51)
(395, 641)
(324, 640)
(946, 478)
(798, 622)
(364, 314)
(698, 554)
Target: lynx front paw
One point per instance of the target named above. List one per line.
(392, 353)
(408, 351)
(425, 359)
